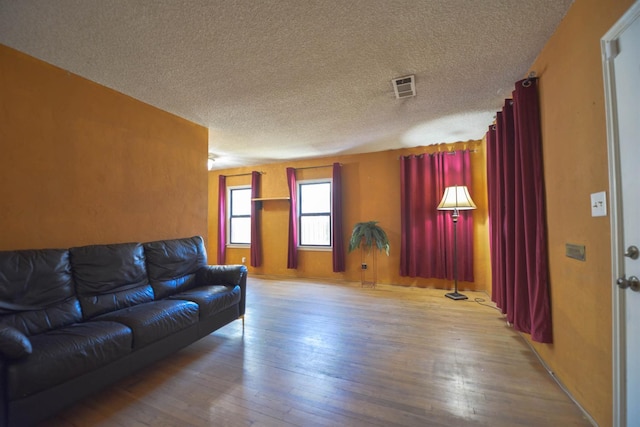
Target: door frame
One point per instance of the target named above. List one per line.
(608, 46)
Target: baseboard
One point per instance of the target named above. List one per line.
(560, 384)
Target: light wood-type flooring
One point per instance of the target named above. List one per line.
(317, 353)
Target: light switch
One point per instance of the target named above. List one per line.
(599, 204)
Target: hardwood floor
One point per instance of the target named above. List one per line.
(324, 354)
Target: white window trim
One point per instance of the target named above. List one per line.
(228, 217)
(328, 248)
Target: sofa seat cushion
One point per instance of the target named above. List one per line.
(66, 353)
(152, 321)
(211, 299)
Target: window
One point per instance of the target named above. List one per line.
(239, 216)
(314, 198)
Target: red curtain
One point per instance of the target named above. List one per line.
(520, 285)
(222, 218)
(256, 236)
(338, 239)
(292, 257)
(426, 239)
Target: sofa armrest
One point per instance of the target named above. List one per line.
(13, 343)
(225, 275)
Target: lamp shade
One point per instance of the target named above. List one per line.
(456, 198)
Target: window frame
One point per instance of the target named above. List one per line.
(229, 217)
(299, 185)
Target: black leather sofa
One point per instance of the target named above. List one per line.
(73, 321)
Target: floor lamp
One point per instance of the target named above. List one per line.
(456, 199)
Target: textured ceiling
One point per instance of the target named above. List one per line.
(290, 79)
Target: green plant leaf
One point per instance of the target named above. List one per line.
(367, 234)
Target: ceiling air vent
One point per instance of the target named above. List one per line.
(404, 87)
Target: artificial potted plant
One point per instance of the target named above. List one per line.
(366, 236)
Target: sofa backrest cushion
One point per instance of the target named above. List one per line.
(110, 277)
(36, 290)
(172, 264)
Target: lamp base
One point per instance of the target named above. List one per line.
(456, 295)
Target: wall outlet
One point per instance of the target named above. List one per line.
(364, 266)
(244, 260)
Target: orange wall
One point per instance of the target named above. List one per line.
(83, 164)
(371, 191)
(575, 162)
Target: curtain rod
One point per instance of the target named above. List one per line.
(436, 152)
(315, 167)
(530, 77)
(244, 174)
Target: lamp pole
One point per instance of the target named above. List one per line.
(455, 294)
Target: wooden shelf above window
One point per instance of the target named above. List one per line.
(262, 199)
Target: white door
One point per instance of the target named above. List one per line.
(621, 59)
